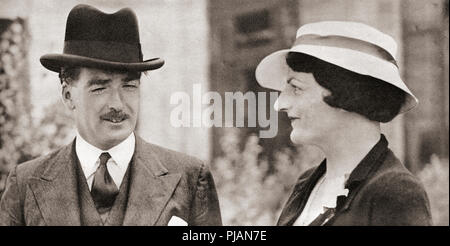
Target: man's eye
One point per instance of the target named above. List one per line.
(130, 86)
(98, 90)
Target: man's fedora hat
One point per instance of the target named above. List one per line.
(354, 46)
(99, 40)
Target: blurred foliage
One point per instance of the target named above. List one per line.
(54, 130)
(20, 138)
(251, 194)
(435, 177)
(29, 140)
(15, 120)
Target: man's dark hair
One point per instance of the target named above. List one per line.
(353, 92)
(70, 74)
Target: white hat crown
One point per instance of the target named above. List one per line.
(353, 30)
(354, 46)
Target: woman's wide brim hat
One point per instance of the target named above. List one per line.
(353, 46)
(99, 40)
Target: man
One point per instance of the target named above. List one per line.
(338, 82)
(107, 175)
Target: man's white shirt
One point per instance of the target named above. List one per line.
(117, 165)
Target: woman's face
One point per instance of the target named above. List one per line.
(312, 119)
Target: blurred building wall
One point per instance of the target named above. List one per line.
(242, 34)
(11, 9)
(425, 34)
(177, 31)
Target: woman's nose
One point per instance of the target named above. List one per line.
(282, 102)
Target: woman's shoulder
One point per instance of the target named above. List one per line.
(396, 196)
(392, 175)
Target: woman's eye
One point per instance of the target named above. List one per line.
(297, 90)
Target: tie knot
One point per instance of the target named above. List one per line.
(104, 157)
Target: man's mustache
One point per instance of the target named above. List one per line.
(115, 115)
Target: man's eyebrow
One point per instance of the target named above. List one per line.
(130, 78)
(98, 82)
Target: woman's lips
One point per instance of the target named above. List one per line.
(293, 119)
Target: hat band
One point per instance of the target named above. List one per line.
(347, 43)
(104, 50)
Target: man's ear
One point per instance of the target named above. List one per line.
(67, 96)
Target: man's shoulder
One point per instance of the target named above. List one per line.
(171, 159)
(38, 165)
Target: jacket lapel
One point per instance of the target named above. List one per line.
(150, 188)
(363, 171)
(55, 190)
(297, 201)
(293, 206)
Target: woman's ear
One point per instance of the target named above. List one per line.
(67, 96)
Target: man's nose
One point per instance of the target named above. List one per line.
(116, 100)
(282, 102)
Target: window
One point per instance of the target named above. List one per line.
(253, 29)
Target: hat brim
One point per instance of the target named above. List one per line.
(272, 70)
(54, 62)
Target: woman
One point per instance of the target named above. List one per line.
(338, 82)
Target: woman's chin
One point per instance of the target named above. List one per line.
(298, 138)
(295, 138)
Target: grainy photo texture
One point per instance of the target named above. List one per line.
(209, 112)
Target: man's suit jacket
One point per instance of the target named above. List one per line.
(164, 183)
(382, 192)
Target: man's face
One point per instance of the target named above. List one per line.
(105, 105)
(311, 118)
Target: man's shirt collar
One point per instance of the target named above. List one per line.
(89, 154)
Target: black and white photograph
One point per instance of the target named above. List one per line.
(224, 113)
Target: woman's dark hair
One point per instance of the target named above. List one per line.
(353, 92)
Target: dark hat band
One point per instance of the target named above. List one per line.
(347, 43)
(105, 50)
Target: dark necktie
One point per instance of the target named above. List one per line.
(103, 191)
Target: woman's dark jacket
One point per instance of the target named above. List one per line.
(382, 192)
